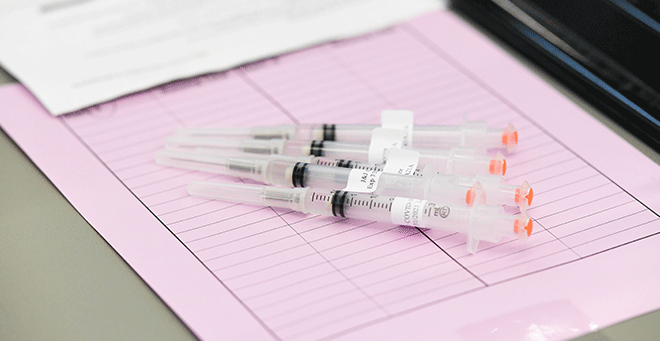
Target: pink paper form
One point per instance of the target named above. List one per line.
(234, 271)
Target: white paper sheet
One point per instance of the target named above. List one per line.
(72, 54)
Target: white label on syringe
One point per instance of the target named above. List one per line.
(362, 181)
(382, 140)
(407, 211)
(401, 161)
(399, 119)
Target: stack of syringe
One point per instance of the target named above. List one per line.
(466, 196)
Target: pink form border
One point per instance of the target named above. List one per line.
(171, 270)
(602, 289)
(206, 302)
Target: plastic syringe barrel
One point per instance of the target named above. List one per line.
(479, 222)
(469, 134)
(497, 192)
(429, 186)
(475, 134)
(457, 189)
(457, 160)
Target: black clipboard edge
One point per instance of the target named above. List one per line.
(592, 89)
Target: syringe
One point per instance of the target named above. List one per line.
(474, 134)
(197, 158)
(317, 172)
(457, 160)
(479, 222)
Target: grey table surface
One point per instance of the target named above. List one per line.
(59, 280)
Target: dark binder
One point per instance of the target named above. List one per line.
(606, 51)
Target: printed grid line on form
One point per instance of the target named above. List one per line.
(310, 277)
